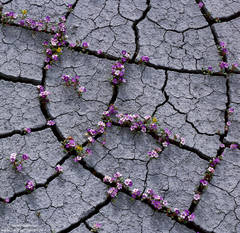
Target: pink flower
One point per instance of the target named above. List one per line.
(51, 122)
(196, 197)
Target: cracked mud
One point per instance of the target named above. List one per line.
(189, 87)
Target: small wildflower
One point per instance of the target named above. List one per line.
(7, 200)
(96, 227)
(112, 192)
(59, 168)
(119, 186)
(223, 65)
(25, 157)
(135, 193)
(51, 122)
(204, 182)
(191, 217)
(210, 169)
(200, 4)
(77, 159)
(233, 146)
(182, 141)
(231, 110)
(81, 90)
(19, 167)
(27, 130)
(85, 45)
(196, 197)
(13, 157)
(128, 182)
(30, 185)
(107, 179)
(99, 52)
(144, 59)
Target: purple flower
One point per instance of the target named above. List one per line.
(99, 52)
(156, 204)
(77, 159)
(108, 124)
(81, 89)
(72, 45)
(117, 175)
(204, 182)
(233, 146)
(13, 157)
(65, 78)
(25, 157)
(222, 44)
(144, 59)
(85, 45)
(150, 192)
(47, 19)
(135, 193)
(200, 4)
(210, 68)
(71, 143)
(19, 167)
(21, 22)
(59, 168)
(88, 151)
(40, 88)
(55, 57)
(128, 182)
(29, 185)
(113, 192)
(223, 65)
(191, 217)
(231, 110)
(119, 186)
(27, 130)
(7, 200)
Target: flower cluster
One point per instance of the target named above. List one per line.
(118, 183)
(155, 153)
(149, 125)
(43, 95)
(53, 49)
(18, 162)
(207, 177)
(118, 69)
(74, 81)
(102, 125)
(8, 17)
(70, 146)
(222, 48)
(30, 185)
